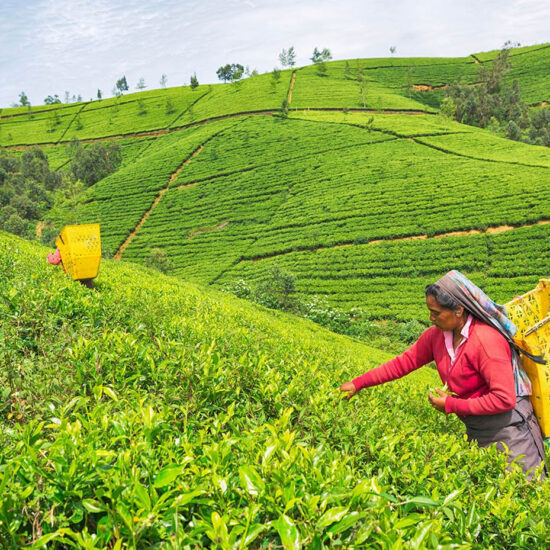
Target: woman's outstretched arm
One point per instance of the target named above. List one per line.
(419, 354)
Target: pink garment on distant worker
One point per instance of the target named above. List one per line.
(54, 258)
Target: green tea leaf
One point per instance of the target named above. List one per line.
(333, 515)
(92, 505)
(346, 522)
(290, 536)
(167, 475)
(251, 480)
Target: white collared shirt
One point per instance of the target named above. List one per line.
(448, 335)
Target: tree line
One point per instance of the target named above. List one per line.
(495, 103)
(29, 188)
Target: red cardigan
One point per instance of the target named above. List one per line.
(481, 376)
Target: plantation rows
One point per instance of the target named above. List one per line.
(142, 112)
(440, 74)
(120, 200)
(402, 125)
(43, 127)
(359, 195)
(241, 202)
(257, 93)
(530, 67)
(109, 117)
(489, 147)
(533, 75)
(157, 414)
(387, 279)
(245, 200)
(388, 86)
(333, 90)
(260, 141)
(442, 133)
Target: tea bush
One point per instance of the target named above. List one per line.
(151, 413)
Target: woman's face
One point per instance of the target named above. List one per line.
(442, 318)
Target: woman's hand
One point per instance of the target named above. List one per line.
(350, 388)
(438, 401)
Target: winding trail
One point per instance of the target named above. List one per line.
(161, 193)
(163, 131)
(493, 230)
(290, 88)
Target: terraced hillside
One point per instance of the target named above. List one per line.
(352, 192)
(152, 413)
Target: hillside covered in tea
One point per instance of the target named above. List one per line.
(348, 179)
(151, 412)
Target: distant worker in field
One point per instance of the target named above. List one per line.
(54, 258)
(477, 360)
(79, 252)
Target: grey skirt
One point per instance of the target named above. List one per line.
(518, 429)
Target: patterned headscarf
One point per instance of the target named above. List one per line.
(473, 299)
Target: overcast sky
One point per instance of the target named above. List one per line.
(49, 46)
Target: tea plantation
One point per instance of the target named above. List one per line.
(152, 413)
(229, 188)
(159, 412)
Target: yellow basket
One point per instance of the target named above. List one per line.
(80, 248)
(530, 313)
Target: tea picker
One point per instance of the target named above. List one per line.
(79, 252)
(492, 359)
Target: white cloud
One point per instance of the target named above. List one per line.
(48, 46)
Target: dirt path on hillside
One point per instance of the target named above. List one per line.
(490, 230)
(290, 88)
(39, 227)
(205, 229)
(161, 193)
(162, 131)
(428, 87)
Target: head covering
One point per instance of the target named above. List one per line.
(473, 299)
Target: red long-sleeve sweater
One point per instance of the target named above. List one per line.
(481, 376)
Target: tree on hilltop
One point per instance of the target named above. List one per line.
(121, 85)
(288, 58)
(52, 100)
(141, 84)
(319, 58)
(230, 73)
(194, 81)
(163, 80)
(24, 100)
(99, 96)
(275, 78)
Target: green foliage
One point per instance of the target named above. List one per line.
(159, 260)
(27, 187)
(52, 100)
(409, 332)
(94, 162)
(230, 72)
(121, 85)
(24, 100)
(277, 290)
(194, 82)
(152, 413)
(496, 103)
(287, 58)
